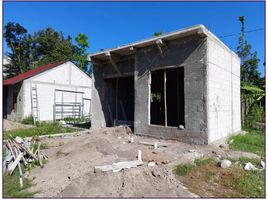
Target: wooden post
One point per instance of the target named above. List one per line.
(165, 95)
(116, 98)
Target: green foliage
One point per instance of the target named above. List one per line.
(253, 141)
(156, 34)
(156, 97)
(28, 120)
(49, 46)
(252, 184)
(203, 161)
(249, 61)
(80, 55)
(17, 40)
(42, 128)
(183, 169)
(11, 186)
(43, 47)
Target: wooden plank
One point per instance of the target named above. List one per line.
(165, 95)
(15, 163)
(116, 167)
(39, 155)
(123, 111)
(116, 99)
(110, 114)
(20, 171)
(152, 144)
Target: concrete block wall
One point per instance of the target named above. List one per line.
(189, 53)
(223, 88)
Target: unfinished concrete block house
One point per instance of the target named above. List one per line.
(48, 93)
(187, 78)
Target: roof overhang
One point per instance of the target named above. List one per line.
(128, 50)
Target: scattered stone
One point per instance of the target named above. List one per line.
(192, 150)
(119, 138)
(225, 163)
(151, 164)
(263, 164)
(181, 127)
(224, 146)
(62, 122)
(250, 167)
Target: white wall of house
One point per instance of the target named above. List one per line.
(64, 77)
(223, 87)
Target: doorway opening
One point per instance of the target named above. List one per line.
(167, 97)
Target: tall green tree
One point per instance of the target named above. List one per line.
(49, 46)
(18, 41)
(80, 54)
(249, 60)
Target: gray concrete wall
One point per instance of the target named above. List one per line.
(101, 91)
(189, 53)
(18, 115)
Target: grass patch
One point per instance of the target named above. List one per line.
(206, 179)
(252, 141)
(11, 186)
(42, 146)
(183, 169)
(41, 129)
(203, 161)
(28, 120)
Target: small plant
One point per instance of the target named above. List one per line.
(183, 169)
(28, 120)
(203, 161)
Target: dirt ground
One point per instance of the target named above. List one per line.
(9, 125)
(70, 169)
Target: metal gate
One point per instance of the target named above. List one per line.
(67, 104)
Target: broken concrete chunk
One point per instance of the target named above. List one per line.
(116, 167)
(224, 146)
(181, 127)
(263, 164)
(250, 167)
(225, 163)
(151, 164)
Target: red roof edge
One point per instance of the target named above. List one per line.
(30, 73)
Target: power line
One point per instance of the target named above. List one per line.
(234, 34)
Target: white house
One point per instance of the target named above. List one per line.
(48, 93)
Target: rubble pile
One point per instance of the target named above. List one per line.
(20, 150)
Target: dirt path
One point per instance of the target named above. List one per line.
(10, 125)
(70, 170)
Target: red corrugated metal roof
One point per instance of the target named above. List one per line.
(30, 73)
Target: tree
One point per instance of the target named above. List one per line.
(80, 55)
(156, 34)
(50, 46)
(20, 56)
(249, 61)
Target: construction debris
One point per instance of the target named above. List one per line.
(250, 167)
(17, 150)
(151, 164)
(224, 163)
(153, 144)
(116, 167)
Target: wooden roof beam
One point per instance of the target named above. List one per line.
(111, 58)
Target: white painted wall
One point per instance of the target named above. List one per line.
(223, 91)
(64, 77)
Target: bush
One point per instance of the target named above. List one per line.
(28, 120)
(183, 169)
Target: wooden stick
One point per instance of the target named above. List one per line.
(20, 171)
(165, 95)
(38, 155)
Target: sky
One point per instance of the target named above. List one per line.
(112, 24)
